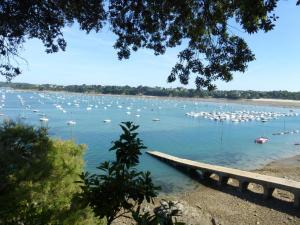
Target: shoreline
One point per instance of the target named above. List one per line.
(228, 206)
(285, 103)
(210, 204)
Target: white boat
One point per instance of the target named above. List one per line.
(107, 121)
(71, 122)
(89, 108)
(155, 119)
(44, 119)
(261, 140)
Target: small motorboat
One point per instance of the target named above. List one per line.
(71, 123)
(297, 143)
(155, 119)
(44, 119)
(106, 121)
(261, 140)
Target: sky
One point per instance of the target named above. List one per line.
(91, 59)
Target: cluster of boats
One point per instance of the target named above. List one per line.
(2, 103)
(102, 105)
(287, 132)
(247, 116)
(67, 104)
(241, 116)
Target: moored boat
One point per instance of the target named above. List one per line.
(261, 140)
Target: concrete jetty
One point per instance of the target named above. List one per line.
(269, 183)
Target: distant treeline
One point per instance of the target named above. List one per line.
(156, 91)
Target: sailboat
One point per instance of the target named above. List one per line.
(261, 140)
(71, 122)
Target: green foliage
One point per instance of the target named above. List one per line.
(211, 49)
(119, 188)
(165, 214)
(144, 218)
(158, 91)
(44, 20)
(38, 178)
(23, 150)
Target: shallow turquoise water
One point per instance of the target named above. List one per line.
(198, 139)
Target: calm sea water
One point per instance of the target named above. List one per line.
(226, 143)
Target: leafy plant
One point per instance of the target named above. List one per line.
(120, 188)
(164, 214)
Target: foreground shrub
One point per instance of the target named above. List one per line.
(38, 178)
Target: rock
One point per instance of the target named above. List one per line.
(146, 209)
(198, 206)
(214, 221)
(168, 208)
(164, 203)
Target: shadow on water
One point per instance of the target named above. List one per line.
(248, 195)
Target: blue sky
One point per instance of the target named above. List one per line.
(91, 59)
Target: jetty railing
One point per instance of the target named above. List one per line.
(269, 183)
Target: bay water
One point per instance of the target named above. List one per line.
(164, 127)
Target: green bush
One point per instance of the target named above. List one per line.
(38, 178)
